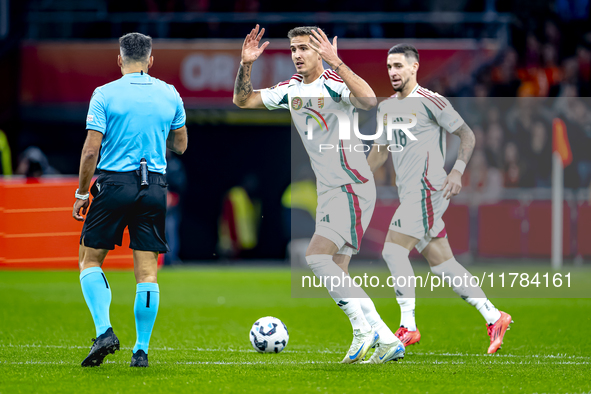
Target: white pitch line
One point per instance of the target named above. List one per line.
(324, 351)
(171, 363)
(288, 362)
(196, 349)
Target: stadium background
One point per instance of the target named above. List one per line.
(484, 54)
(54, 53)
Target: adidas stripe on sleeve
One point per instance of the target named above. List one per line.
(276, 97)
(445, 114)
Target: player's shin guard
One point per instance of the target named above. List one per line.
(345, 296)
(460, 281)
(97, 294)
(147, 299)
(396, 258)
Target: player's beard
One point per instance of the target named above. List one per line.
(401, 87)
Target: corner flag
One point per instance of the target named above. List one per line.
(560, 142)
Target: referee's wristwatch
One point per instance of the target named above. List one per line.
(82, 196)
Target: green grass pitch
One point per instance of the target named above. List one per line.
(200, 341)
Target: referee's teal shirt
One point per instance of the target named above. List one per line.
(135, 114)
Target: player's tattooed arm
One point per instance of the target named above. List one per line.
(362, 95)
(243, 86)
(467, 142)
(244, 95)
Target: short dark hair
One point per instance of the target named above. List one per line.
(301, 31)
(136, 47)
(408, 50)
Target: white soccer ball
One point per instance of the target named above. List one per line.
(269, 335)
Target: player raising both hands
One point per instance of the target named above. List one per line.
(345, 185)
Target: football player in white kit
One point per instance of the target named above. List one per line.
(345, 185)
(424, 190)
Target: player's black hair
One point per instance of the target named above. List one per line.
(301, 31)
(409, 51)
(136, 47)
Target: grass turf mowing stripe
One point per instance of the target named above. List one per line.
(201, 342)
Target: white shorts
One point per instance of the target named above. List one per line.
(344, 213)
(420, 215)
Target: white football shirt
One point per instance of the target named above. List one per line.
(335, 162)
(419, 166)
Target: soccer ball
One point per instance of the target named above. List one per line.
(269, 335)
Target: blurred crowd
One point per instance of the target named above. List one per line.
(514, 141)
(511, 102)
(514, 100)
(276, 6)
(567, 9)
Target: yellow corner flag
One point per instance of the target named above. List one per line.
(560, 142)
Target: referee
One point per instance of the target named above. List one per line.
(130, 121)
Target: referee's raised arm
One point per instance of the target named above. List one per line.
(130, 122)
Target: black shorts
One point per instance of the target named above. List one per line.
(121, 202)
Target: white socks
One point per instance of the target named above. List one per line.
(353, 300)
(361, 310)
(489, 312)
(374, 319)
(449, 271)
(346, 297)
(397, 260)
(407, 316)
